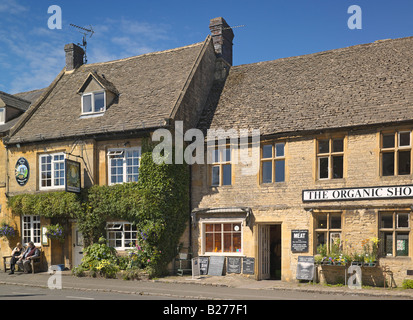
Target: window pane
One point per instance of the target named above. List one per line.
(209, 227)
(215, 175)
(338, 167)
(226, 171)
(338, 145)
(267, 151)
(388, 164)
(99, 101)
(404, 139)
(388, 140)
(217, 242)
(323, 146)
(335, 221)
(2, 112)
(323, 168)
(87, 103)
(280, 171)
(215, 155)
(279, 150)
(387, 243)
(267, 172)
(236, 241)
(321, 238)
(209, 242)
(386, 220)
(404, 162)
(402, 244)
(227, 242)
(402, 220)
(322, 222)
(227, 155)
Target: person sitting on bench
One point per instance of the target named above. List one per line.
(30, 253)
(16, 254)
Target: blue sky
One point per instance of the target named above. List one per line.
(31, 55)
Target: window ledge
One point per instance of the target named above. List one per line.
(223, 254)
(396, 258)
(92, 115)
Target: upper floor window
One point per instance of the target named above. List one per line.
(221, 169)
(273, 163)
(52, 170)
(330, 158)
(2, 115)
(94, 102)
(124, 165)
(396, 153)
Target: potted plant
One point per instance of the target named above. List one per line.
(7, 231)
(55, 231)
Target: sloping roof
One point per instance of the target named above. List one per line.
(13, 101)
(354, 86)
(149, 86)
(31, 96)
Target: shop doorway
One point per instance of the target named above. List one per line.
(269, 249)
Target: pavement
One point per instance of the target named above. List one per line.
(144, 287)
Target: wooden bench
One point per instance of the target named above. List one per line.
(34, 262)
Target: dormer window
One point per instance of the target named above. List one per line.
(2, 115)
(93, 102)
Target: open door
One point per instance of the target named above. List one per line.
(264, 251)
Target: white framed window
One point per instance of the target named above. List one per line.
(94, 102)
(2, 115)
(52, 170)
(31, 229)
(123, 165)
(222, 237)
(121, 235)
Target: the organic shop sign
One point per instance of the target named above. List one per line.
(22, 171)
(367, 193)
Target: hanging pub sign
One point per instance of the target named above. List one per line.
(22, 171)
(368, 193)
(299, 241)
(72, 175)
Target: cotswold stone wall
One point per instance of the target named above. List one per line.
(281, 203)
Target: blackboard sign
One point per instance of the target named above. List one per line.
(216, 266)
(305, 268)
(299, 241)
(203, 265)
(233, 265)
(248, 265)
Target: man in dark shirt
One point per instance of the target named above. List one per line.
(30, 253)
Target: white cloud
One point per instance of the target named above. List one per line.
(12, 7)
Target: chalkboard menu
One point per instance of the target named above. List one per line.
(305, 268)
(216, 266)
(248, 265)
(299, 241)
(233, 265)
(203, 265)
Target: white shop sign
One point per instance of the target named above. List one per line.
(368, 193)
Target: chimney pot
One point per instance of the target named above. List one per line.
(74, 56)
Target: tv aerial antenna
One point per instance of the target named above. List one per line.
(87, 32)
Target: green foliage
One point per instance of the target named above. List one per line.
(55, 231)
(407, 284)
(158, 204)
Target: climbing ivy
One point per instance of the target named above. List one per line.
(158, 204)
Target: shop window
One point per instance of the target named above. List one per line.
(394, 233)
(124, 165)
(396, 153)
(222, 237)
(121, 235)
(52, 170)
(221, 168)
(31, 229)
(328, 228)
(273, 163)
(330, 158)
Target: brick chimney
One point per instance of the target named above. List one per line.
(74, 56)
(222, 37)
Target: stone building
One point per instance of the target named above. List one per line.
(96, 115)
(335, 162)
